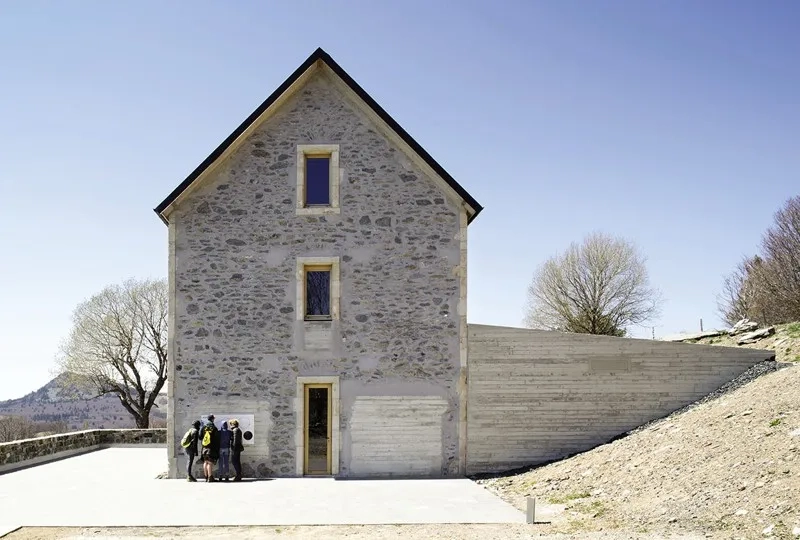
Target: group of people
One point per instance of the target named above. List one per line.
(216, 445)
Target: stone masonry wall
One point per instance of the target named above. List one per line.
(26, 450)
(238, 345)
(536, 396)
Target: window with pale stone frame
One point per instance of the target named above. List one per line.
(318, 293)
(318, 181)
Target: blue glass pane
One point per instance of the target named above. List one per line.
(318, 293)
(317, 180)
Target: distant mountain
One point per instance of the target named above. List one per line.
(62, 388)
(62, 399)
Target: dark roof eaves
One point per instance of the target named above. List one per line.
(320, 54)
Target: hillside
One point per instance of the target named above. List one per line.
(62, 388)
(63, 400)
(785, 342)
(728, 467)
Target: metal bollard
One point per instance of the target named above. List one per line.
(531, 515)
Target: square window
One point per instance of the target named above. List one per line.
(318, 293)
(318, 184)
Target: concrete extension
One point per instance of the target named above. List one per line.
(536, 396)
(117, 487)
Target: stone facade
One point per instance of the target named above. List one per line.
(238, 344)
(26, 452)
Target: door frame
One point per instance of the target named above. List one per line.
(329, 431)
(333, 422)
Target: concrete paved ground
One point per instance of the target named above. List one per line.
(117, 487)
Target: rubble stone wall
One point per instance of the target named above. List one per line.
(240, 341)
(27, 452)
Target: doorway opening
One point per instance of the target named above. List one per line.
(317, 429)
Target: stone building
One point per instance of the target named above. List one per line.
(318, 293)
(317, 270)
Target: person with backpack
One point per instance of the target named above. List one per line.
(236, 449)
(189, 444)
(209, 441)
(225, 443)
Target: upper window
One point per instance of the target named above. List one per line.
(317, 179)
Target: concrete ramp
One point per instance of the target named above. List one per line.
(536, 396)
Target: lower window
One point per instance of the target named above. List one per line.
(317, 293)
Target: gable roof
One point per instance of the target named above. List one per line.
(320, 55)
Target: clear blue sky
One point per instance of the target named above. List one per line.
(673, 124)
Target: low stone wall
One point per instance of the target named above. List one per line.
(26, 452)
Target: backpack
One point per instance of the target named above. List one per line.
(207, 436)
(187, 439)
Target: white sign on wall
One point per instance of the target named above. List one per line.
(246, 424)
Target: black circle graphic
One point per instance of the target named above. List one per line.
(247, 435)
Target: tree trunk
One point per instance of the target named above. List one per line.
(143, 421)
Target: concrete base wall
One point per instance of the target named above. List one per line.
(397, 436)
(536, 396)
(388, 428)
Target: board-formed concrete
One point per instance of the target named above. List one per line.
(398, 434)
(107, 487)
(536, 396)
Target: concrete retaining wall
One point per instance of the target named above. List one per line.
(27, 452)
(536, 396)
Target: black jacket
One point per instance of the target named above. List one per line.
(193, 439)
(213, 448)
(236, 441)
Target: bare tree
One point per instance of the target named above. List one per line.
(598, 287)
(780, 273)
(737, 299)
(766, 288)
(14, 428)
(118, 345)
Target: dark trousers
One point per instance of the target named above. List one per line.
(191, 457)
(236, 460)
